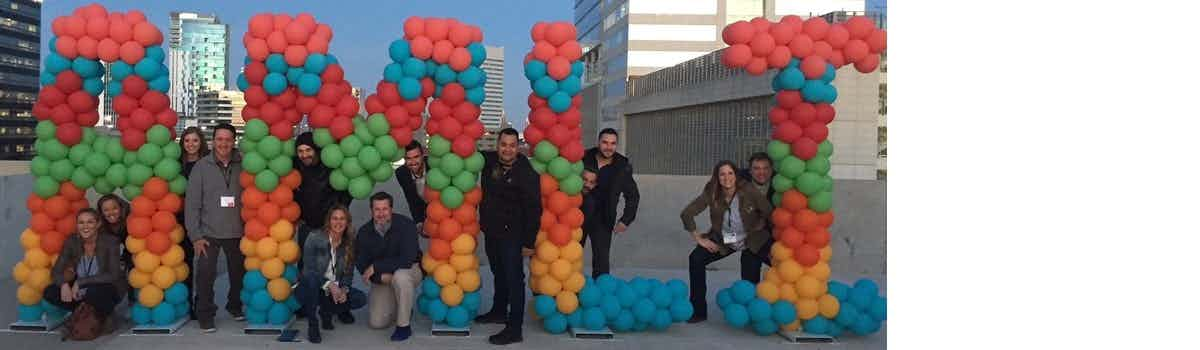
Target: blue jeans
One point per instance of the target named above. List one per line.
(312, 297)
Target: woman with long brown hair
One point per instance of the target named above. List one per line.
(328, 273)
(738, 213)
(88, 269)
(193, 147)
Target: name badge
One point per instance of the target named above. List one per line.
(227, 202)
(730, 238)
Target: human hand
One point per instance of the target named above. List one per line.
(65, 293)
(199, 246)
(527, 251)
(367, 274)
(620, 228)
(707, 244)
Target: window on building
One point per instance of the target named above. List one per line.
(742, 10)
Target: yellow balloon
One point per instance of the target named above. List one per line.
(146, 262)
(577, 234)
(787, 291)
(163, 277)
(808, 287)
(181, 272)
(790, 271)
(574, 283)
(39, 278)
(806, 308)
(772, 275)
(820, 271)
(282, 230)
(549, 285)
(20, 272)
(247, 247)
(560, 269)
(452, 295)
(541, 237)
(279, 289)
(27, 295)
(173, 256)
(138, 279)
(768, 291)
(826, 253)
(289, 251)
(150, 296)
(428, 263)
(30, 239)
(464, 244)
(252, 263)
(538, 268)
(266, 248)
(464, 262)
(272, 268)
(547, 252)
(445, 275)
(572, 251)
(567, 302)
(577, 265)
(828, 306)
(134, 245)
(780, 251)
(36, 258)
(176, 234)
(468, 280)
(792, 327)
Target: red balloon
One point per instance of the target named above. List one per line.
(81, 101)
(286, 99)
(257, 49)
(460, 59)
(816, 28)
(762, 45)
(466, 113)
(295, 55)
(813, 67)
(323, 31)
(62, 114)
(305, 104)
(167, 118)
(142, 119)
(422, 47)
(261, 25)
(761, 25)
(341, 127)
(449, 128)
(147, 35)
(544, 51)
(318, 45)
(780, 57)
(130, 51)
(571, 118)
(280, 21)
(271, 112)
(89, 118)
(296, 33)
(66, 47)
(329, 95)
(321, 116)
(570, 50)
(740, 32)
(120, 30)
(428, 87)
(787, 132)
(855, 50)
(51, 95)
(442, 50)
(474, 130)
(559, 135)
(757, 66)
(256, 96)
(133, 139)
(348, 106)
(414, 123)
(373, 105)
(436, 29)
(108, 50)
(803, 114)
(804, 148)
(782, 33)
(68, 81)
(542, 118)
(538, 33)
(255, 72)
(453, 93)
(837, 59)
(86, 47)
(415, 107)
(860, 27)
(388, 93)
(777, 115)
(76, 27)
(155, 101)
(97, 28)
(124, 104)
(460, 35)
(737, 56)
(402, 136)
(250, 113)
(277, 42)
(431, 127)
(135, 16)
(59, 26)
(282, 130)
(463, 147)
(558, 68)
(558, 33)
(817, 132)
(69, 134)
(794, 21)
(396, 116)
(535, 102)
(808, 255)
(867, 64)
(573, 151)
(837, 36)
(93, 10)
(414, 27)
(877, 41)
(41, 111)
(533, 135)
(788, 98)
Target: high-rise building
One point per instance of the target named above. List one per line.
(199, 50)
(492, 110)
(215, 107)
(20, 52)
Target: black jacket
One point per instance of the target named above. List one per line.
(745, 174)
(416, 204)
(512, 202)
(315, 194)
(623, 184)
(398, 249)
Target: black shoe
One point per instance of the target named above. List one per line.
(299, 314)
(401, 333)
(326, 321)
(314, 333)
(492, 317)
(505, 337)
(346, 317)
(697, 319)
(192, 315)
(238, 315)
(208, 326)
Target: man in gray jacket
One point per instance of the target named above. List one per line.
(214, 224)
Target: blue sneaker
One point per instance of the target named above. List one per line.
(402, 333)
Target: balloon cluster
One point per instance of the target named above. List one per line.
(796, 291)
(362, 159)
(270, 251)
(267, 293)
(623, 306)
(761, 44)
(443, 298)
(53, 219)
(143, 163)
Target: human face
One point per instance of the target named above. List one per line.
(223, 143)
(111, 211)
(191, 144)
(86, 224)
(307, 155)
(337, 224)
(761, 171)
(589, 182)
(507, 148)
(414, 159)
(608, 145)
(727, 177)
(381, 211)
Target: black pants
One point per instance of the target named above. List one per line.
(189, 258)
(601, 239)
(206, 275)
(102, 296)
(302, 231)
(508, 271)
(312, 298)
(700, 257)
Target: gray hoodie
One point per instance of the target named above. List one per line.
(205, 217)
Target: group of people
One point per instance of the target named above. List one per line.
(385, 250)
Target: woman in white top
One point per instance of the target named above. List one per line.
(328, 273)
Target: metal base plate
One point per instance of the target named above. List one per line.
(584, 333)
(157, 329)
(267, 328)
(46, 324)
(805, 338)
(445, 330)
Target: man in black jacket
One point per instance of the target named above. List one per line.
(614, 179)
(760, 173)
(510, 214)
(315, 195)
(387, 255)
(411, 178)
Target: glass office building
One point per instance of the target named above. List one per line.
(20, 54)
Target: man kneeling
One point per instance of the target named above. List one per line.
(387, 255)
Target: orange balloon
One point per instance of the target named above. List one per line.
(34, 203)
(575, 201)
(807, 255)
(559, 234)
(573, 217)
(143, 206)
(465, 214)
(256, 229)
(548, 219)
(139, 226)
(156, 188)
(57, 207)
(292, 179)
(253, 198)
(806, 220)
(825, 219)
(449, 229)
(65, 225)
(281, 196)
(163, 221)
(473, 196)
(246, 180)
(471, 229)
(791, 238)
(291, 212)
(268, 212)
(781, 218)
(76, 206)
(440, 249)
(248, 214)
(68, 190)
(171, 203)
(793, 201)
(436, 211)
(41, 222)
(51, 242)
(557, 202)
(158, 243)
(431, 227)
(549, 184)
(818, 237)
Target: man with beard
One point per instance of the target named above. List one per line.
(411, 178)
(614, 179)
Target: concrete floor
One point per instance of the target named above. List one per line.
(713, 334)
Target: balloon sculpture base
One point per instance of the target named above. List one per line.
(805, 338)
(584, 333)
(444, 330)
(267, 328)
(46, 324)
(149, 329)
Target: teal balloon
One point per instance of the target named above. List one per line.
(662, 320)
(45, 186)
(95, 163)
(40, 166)
(765, 327)
(61, 170)
(293, 75)
(624, 321)
(276, 63)
(393, 72)
(171, 150)
(280, 165)
(791, 166)
(45, 130)
(559, 102)
(88, 68)
(163, 314)
(410, 88)
(643, 310)
(322, 137)
(279, 314)
(821, 201)
(168, 169)
(378, 125)
(275, 83)
(351, 145)
(555, 324)
(388, 150)
(117, 175)
(53, 149)
(140, 314)
(819, 165)
(253, 162)
(451, 197)
(269, 147)
(471, 77)
(545, 87)
(178, 185)
(437, 179)
(381, 173)
(78, 153)
(360, 187)
(535, 70)
(571, 85)
(266, 181)
(451, 165)
(315, 63)
(158, 135)
(759, 310)
(444, 75)
(464, 181)
(438, 146)
(102, 186)
(474, 163)
(414, 68)
(476, 95)
(825, 149)
(399, 50)
(681, 310)
(331, 156)
(147, 69)
(742, 292)
(809, 183)
(593, 318)
(791, 78)
(93, 86)
(559, 167)
(369, 158)
(438, 310)
(309, 84)
(337, 180)
(56, 63)
(29, 313)
(457, 317)
(571, 185)
(352, 168)
(478, 53)
(161, 84)
(131, 191)
(545, 151)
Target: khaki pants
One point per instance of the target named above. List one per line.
(396, 298)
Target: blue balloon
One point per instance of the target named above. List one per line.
(177, 293)
(438, 310)
(56, 63)
(161, 84)
(275, 83)
(399, 50)
(120, 70)
(544, 87)
(835, 330)
(247, 294)
(437, 90)
(662, 297)
(415, 68)
(813, 90)
(93, 86)
(310, 84)
(575, 319)
(146, 69)
(254, 280)
(839, 290)
(611, 307)
(577, 69)
(862, 326)
(261, 301)
(242, 84)
(869, 286)
(140, 314)
(478, 53)
(795, 62)
(862, 297)
(330, 59)
(759, 310)
(29, 313)
(444, 75)
(817, 325)
(830, 73)
(783, 312)
(776, 85)
(643, 310)
(457, 317)
(679, 289)
(430, 287)
(571, 85)
(471, 77)
(476, 95)
(544, 305)
(626, 296)
(291, 272)
(163, 314)
(846, 315)
(765, 327)
(292, 303)
(315, 63)
(423, 304)
(681, 310)
(256, 317)
(736, 315)
(53, 44)
(559, 102)
(279, 314)
(246, 60)
(47, 78)
(90, 68)
(156, 53)
(791, 78)
(590, 296)
(294, 74)
(607, 283)
(555, 324)
(662, 320)
(624, 321)
(181, 309)
(410, 88)
(724, 297)
(878, 309)
(640, 326)
(535, 70)
(276, 64)
(593, 318)
(743, 292)
(471, 300)
(430, 68)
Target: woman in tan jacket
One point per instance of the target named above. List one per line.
(88, 269)
(738, 213)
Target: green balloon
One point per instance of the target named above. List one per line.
(266, 181)
(45, 130)
(539, 167)
(40, 166)
(131, 191)
(434, 162)
(809, 183)
(158, 135)
(256, 130)
(777, 198)
(465, 181)
(777, 150)
(828, 181)
(130, 158)
(782, 183)
(289, 148)
(358, 121)
(332, 156)
(82, 178)
(352, 168)
(61, 170)
(819, 165)
(363, 135)
(96, 164)
(360, 187)
(253, 162)
(545, 151)
(167, 169)
(45, 186)
(338, 180)
(451, 197)
(172, 151)
(53, 149)
(378, 125)
(102, 186)
(451, 165)
(474, 163)
(825, 149)
(577, 168)
(351, 145)
(571, 185)
(381, 173)
(388, 150)
(270, 147)
(115, 152)
(178, 185)
(559, 168)
(821, 201)
(79, 153)
(369, 158)
(149, 154)
(437, 180)
(117, 175)
(280, 165)
(138, 174)
(438, 146)
(100, 144)
(89, 135)
(322, 137)
(791, 166)
(247, 146)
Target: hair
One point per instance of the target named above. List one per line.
(508, 131)
(87, 210)
(714, 184)
(760, 156)
(380, 196)
(224, 126)
(414, 145)
(609, 131)
(191, 130)
(105, 227)
(348, 236)
(591, 170)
